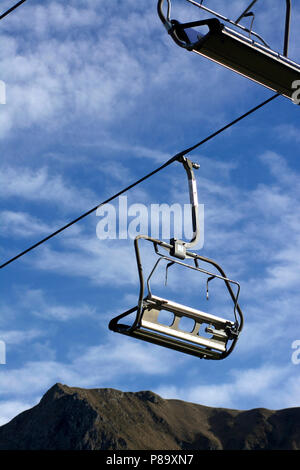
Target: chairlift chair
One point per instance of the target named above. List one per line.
(220, 335)
(236, 50)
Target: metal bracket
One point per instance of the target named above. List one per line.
(179, 247)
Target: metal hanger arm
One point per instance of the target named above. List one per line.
(287, 27)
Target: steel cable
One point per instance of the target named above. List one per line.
(152, 173)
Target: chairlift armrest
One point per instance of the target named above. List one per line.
(178, 34)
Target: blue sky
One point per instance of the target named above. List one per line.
(97, 96)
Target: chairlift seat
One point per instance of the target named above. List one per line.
(235, 51)
(150, 328)
(246, 57)
(150, 320)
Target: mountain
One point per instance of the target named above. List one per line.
(69, 418)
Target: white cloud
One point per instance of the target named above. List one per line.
(21, 224)
(98, 366)
(288, 132)
(40, 186)
(11, 408)
(40, 305)
(96, 260)
(53, 80)
(62, 17)
(268, 386)
(58, 76)
(17, 337)
(137, 151)
(279, 168)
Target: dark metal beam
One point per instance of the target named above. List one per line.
(287, 27)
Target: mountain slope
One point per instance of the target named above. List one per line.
(74, 418)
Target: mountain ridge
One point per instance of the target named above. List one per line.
(73, 418)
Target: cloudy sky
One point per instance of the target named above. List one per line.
(97, 95)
